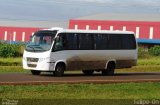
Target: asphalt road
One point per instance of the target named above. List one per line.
(26, 78)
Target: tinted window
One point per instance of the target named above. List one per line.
(72, 41)
(101, 41)
(115, 41)
(128, 41)
(86, 41)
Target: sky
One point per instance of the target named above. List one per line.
(63, 10)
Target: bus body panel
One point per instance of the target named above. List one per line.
(95, 59)
(80, 59)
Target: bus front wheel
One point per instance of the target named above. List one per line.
(35, 72)
(59, 71)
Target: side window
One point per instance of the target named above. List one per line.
(72, 39)
(128, 41)
(86, 41)
(101, 41)
(60, 42)
(115, 41)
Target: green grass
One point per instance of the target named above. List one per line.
(11, 69)
(150, 61)
(11, 61)
(83, 91)
(145, 68)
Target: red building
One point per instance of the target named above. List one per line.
(19, 34)
(20, 30)
(147, 33)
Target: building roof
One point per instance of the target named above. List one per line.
(37, 24)
(122, 17)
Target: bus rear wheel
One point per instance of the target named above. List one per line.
(88, 72)
(35, 72)
(110, 69)
(59, 71)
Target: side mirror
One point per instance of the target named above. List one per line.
(31, 38)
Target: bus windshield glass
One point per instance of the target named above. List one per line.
(41, 41)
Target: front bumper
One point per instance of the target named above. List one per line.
(40, 65)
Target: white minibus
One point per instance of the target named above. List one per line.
(57, 50)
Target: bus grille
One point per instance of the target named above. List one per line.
(32, 65)
(32, 59)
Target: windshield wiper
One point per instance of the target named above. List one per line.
(40, 48)
(32, 48)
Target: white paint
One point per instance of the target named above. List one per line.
(151, 33)
(87, 27)
(137, 32)
(32, 33)
(99, 27)
(124, 28)
(23, 36)
(14, 36)
(76, 27)
(5, 35)
(111, 28)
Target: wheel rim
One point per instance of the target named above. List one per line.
(59, 70)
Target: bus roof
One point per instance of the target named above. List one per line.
(95, 31)
(61, 30)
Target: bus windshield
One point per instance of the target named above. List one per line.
(41, 41)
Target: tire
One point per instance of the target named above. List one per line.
(88, 72)
(59, 71)
(35, 72)
(110, 69)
